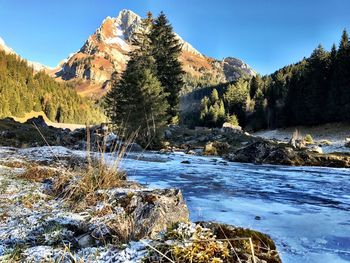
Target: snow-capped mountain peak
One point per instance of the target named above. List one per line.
(106, 51)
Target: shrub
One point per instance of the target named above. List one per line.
(308, 139)
(191, 243)
(232, 119)
(38, 173)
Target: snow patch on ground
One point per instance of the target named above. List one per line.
(336, 133)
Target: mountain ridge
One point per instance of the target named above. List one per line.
(106, 52)
(35, 65)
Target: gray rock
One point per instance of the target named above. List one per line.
(168, 134)
(316, 149)
(148, 212)
(85, 240)
(228, 127)
(134, 147)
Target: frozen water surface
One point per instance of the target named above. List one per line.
(306, 210)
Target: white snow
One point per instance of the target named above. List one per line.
(118, 38)
(336, 133)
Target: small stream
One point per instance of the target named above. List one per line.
(306, 210)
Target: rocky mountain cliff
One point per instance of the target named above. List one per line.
(106, 51)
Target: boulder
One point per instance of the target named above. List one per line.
(209, 149)
(230, 128)
(216, 148)
(134, 147)
(86, 240)
(297, 143)
(256, 153)
(38, 121)
(168, 134)
(142, 214)
(265, 152)
(316, 149)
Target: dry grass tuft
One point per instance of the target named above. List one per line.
(30, 200)
(39, 173)
(14, 164)
(81, 188)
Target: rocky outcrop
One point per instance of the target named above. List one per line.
(235, 68)
(143, 214)
(272, 153)
(239, 146)
(17, 134)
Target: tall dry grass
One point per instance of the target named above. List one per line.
(81, 185)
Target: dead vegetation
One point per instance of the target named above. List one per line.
(13, 164)
(213, 243)
(82, 187)
(38, 173)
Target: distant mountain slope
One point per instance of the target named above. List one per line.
(106, 51)
(23, 90)
(35, 65)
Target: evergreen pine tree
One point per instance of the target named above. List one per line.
(255, 84)
(166, 51)
(236, 97)
(214, 97)
(315, 87)
(138, 101)
(340, 92)
(204, 111)
(221, 114)
(334, 52)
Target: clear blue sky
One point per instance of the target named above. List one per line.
(267, 34)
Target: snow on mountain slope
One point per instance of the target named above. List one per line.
(106, 52)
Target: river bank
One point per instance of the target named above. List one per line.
(45, 218)
(238, 146)
(230, 144)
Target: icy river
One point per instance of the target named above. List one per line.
(306, 210)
